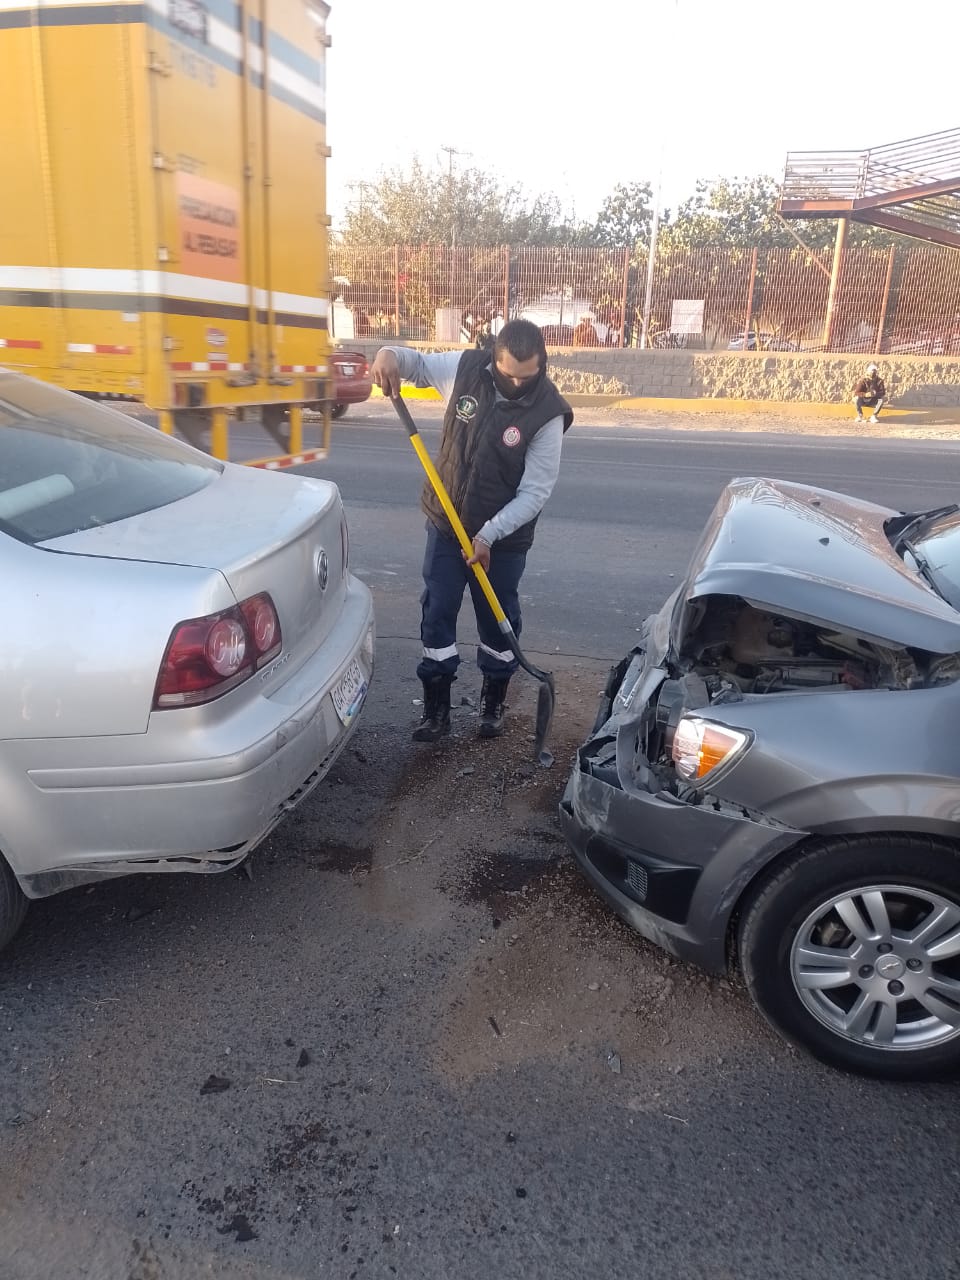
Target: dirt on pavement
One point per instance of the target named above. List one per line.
(546, 968)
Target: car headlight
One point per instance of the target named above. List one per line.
(700, 746)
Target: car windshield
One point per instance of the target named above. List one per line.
(67, 464)
(937, 545)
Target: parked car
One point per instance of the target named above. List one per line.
(752, 341)
(925, 342)
(183, 656)
(351, 378)
(773, 780)
(668, 340)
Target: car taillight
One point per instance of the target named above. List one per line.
(261, 618)
(364, 369)
(205, 657)
(225, 648)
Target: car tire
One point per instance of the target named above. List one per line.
(852, 952)
(13, 904)
(338, 411)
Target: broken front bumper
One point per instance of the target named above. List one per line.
(672, 868)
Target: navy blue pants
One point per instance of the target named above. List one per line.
(445, 574)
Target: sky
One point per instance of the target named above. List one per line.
(573, 98)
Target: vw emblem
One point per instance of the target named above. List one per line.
(323, 569)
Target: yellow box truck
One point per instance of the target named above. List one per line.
(163, 229)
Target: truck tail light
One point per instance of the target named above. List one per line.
(206, 657)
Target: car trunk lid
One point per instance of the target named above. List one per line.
(263, 532)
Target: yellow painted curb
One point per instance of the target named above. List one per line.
(577, 400)
(411, 393)
(784, 408)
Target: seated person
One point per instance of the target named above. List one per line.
(870, 393)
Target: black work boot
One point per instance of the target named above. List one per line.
(492, 697)
(435, 721)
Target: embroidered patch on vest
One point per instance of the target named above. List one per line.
(511, 437)
(467, 408)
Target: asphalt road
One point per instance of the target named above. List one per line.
(623, 519)
(387, 1053)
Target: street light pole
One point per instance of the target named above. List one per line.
(451, 152)
(651, 263)
(674, 15)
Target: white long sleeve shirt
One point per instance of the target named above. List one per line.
(542, 461)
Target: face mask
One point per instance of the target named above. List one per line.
(509, 390)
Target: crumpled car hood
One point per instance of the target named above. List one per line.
(818, 556)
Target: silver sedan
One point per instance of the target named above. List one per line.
(183, 655)
(773, 780)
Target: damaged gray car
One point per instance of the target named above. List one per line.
(773, 780)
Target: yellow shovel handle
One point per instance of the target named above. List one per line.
(458, 529)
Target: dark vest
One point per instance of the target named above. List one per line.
(484, 447)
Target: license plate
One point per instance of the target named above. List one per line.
(348, 370)
(349, 693)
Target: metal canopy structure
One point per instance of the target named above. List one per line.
(912, 187)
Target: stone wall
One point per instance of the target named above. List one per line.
(912, 381)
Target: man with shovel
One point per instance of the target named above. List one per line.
(499, 460)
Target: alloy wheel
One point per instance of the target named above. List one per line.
(880, 966)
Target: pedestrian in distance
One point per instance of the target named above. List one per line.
(499, 460)
(870, 393)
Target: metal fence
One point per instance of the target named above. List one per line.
(900, 300)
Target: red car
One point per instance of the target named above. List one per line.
(351, 380)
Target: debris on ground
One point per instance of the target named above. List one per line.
(135, 913)
(215, 1084)
(241, 1226)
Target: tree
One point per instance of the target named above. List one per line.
(432, 205)
(625, 216)
(729, 213)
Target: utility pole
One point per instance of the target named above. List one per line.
(362, 187)
(451, 152)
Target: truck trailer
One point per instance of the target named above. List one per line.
(163, 229)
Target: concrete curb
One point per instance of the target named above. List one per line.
(901, 416)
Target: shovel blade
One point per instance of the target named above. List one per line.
(545, 701)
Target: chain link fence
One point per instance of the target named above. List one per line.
(903, 300)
